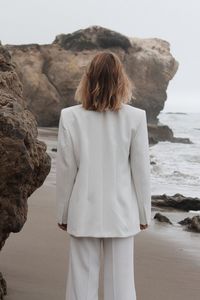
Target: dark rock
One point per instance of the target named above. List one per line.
(54, 149)
(176, 201)
(192, 224)
(185, 221)
(95, 37)
(162, 218)
(158, 133)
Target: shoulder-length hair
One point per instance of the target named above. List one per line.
(104, 84)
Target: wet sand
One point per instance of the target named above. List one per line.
(34, 262)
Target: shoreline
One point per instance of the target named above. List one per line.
(34, 261)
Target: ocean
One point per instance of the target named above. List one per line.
(176, 166)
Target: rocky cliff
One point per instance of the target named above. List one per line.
(50, 73)
(24, 163)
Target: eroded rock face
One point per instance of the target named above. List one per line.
(151, 66)
(24, 163)
(51, 73)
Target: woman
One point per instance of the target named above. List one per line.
(102, 181)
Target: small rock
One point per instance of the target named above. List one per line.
(162, 218)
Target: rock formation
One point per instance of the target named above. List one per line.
(24, 163)
(50, 73)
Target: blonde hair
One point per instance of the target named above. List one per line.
(104, 84)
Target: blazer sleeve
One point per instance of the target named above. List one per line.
(140, 169)
(66, 170)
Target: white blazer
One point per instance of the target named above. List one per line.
(103, 171)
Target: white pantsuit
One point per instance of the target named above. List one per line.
(102, 194)
(84, 266)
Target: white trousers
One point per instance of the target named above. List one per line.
(84, 267)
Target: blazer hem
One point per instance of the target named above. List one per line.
(102, 235)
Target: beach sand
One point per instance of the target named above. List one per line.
(34, 261)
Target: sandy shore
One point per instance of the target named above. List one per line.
(34, 261)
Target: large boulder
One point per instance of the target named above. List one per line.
(50, 73)
(24, 163)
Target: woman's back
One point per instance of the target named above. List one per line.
(105, 183)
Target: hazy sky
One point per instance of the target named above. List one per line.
(177, 21)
